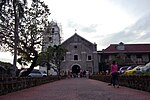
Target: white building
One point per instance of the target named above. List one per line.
(51, 36)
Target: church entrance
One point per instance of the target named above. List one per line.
(75, 69)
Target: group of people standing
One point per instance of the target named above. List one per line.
(113, 71)
(80, 74)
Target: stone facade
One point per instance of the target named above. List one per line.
(51, 36)
(81, 55)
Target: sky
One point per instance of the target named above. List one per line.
(103, 22)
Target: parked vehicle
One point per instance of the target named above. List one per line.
(146, 68)
(37, 73)
(123, 69)
(131, 67)
(134, 71)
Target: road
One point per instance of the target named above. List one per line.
(77, 89)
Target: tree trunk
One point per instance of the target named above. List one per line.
(33, 64)
(28, 71)
(15, 40)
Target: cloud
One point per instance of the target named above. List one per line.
(133, 7)
(145, 37)
(72, 24)
(137, 33)
(89, 29)
(83, 28)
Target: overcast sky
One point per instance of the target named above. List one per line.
(102, 21)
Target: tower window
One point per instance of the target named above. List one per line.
(53, 29)
(50, 38)
(75, 57)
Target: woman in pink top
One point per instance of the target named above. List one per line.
(114, 73)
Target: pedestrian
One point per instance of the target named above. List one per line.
(69, 74)
(84, 73)
(81, 74)
(115, 74)
(87, 74)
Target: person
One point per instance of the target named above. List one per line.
(84, 73)
(87, 74)
(115, 74)
(81, 74)
(69, 74)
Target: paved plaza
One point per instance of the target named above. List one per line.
(77, 89)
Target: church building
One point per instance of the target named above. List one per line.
(81, 55)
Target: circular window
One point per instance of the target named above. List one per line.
(75, 47)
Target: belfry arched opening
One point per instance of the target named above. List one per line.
(75, 69)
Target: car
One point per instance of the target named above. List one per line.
(131, 67)
(37, 73)
(134, 71)
(146, 68)
(123, 69)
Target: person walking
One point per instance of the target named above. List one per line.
(115, 74)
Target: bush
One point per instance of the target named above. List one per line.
(137, 81)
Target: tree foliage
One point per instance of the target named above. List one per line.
(30, 31)
(120, 58)
(6, 65)
(53, 55)
(11, 12)
(16, 5)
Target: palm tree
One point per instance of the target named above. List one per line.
(18, 7)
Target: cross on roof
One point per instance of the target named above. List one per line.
(75, 30)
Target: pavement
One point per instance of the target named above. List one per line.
(77, 89)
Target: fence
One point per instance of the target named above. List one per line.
(136, 82)
(10, 84)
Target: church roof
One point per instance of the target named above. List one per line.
(78, 36)
(78, 39)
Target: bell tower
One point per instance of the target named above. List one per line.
(51, 36)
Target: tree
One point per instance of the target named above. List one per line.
(120, 58)
(58, 56)
(7, 66)
(18, 9)
(53, 55)
(45, 58)
(30, 32)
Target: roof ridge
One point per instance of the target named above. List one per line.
(75, 34)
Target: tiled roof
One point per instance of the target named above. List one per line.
(128, 48)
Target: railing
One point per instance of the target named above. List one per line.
(136, 82)
(10, 84)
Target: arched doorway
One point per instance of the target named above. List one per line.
(75, 69)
